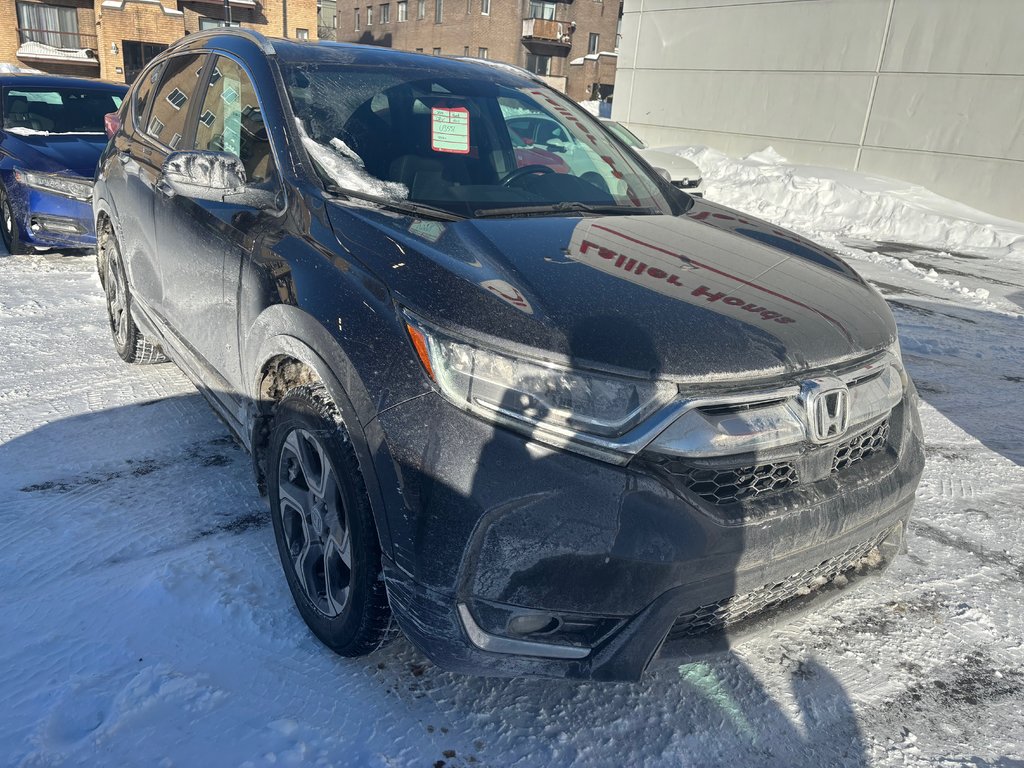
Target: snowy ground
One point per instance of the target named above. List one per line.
(146, 621)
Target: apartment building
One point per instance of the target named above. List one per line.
(115, 39)
(571, 44)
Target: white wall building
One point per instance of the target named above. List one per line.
(929, 91)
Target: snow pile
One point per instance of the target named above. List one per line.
(347, 170)
(832, 204)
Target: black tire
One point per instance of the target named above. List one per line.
(129, 342)
(320, 511)
(9, 227)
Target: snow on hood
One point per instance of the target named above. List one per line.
(829, 204)
(347, 170)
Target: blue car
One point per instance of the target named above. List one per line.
(53, 134)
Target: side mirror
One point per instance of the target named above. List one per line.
(203, 175)
(215, 176)
(664, 174)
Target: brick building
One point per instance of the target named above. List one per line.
(561, 41)
(114, 39)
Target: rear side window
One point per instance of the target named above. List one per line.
(145, 91)
(173, 98)
(230, 120)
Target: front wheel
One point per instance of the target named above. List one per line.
(324, 528)
(9, 226)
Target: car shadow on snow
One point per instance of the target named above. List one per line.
(112, 482)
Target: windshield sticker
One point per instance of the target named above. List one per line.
(449, 130)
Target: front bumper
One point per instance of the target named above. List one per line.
(493, 525)
(48, 220)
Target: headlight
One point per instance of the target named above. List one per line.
(545, 397)
(68, 186)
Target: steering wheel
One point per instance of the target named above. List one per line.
(526, 170)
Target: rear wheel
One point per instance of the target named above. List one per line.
(324, 528)
(129, 342)
(9, 226)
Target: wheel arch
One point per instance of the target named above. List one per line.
(282, 361)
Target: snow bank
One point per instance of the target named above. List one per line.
(832, 204)
(33, 132)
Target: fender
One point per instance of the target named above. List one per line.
(333, 368)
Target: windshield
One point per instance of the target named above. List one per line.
(625, 134)
(58, 110)
(465, 145)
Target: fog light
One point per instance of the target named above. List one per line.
(533, 624)
(60, 224)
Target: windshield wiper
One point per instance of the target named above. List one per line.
(552, 209)
(417, 209)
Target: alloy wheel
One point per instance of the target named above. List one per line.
(117, 296)
(315, 523)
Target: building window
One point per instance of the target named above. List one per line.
(205, 23)
(485, 7)
(177, 98)
(437, 51)
(357, 19)
(50, 25)
(419, 50)
(438, 10)
(301, 34)
(482, 53)
(421, 9)
(369, 15)
(385, 13)
(539, 65)
(594, 42)
(403, 10)
(539, 9)
(465, 50)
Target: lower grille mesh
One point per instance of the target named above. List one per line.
(729, 485)
(736, 609)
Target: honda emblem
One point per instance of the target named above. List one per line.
(827, 402)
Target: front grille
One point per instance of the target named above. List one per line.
(729, 485)
(860, 447)
(687, 183)
(733, 610)
(726, 486)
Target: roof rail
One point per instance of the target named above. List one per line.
(251, 35)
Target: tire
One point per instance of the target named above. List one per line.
(129, 342)
(324, 527)
(9, 227)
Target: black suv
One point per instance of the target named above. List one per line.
(543, 409)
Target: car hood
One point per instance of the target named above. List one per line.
(709, 296)
(56, 152)
(678, 167)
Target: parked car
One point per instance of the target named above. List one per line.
(681, 172)
(549, 423)
(51, 138)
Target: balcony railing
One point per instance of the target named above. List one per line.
(548, 31)
(67, 41)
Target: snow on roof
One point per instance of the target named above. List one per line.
(593, 57)
(36, 50)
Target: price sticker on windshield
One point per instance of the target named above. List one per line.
(449, 130)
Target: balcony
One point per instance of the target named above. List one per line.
(548, 32)
(54, 45)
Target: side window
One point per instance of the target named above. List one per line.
(171, 101)
(230, 121)
(144, 92)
